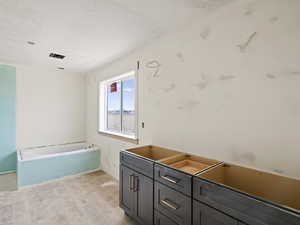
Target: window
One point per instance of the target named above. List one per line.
(117, 106)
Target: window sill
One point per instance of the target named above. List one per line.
(119, 136)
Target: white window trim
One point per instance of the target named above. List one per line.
(102, 119)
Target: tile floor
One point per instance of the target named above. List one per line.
(90, 199)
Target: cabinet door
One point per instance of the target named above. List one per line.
(143, 189)
(204, 215)
(161, 219)
(126, 190)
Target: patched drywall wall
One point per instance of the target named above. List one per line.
(50, 107)
(227, 87)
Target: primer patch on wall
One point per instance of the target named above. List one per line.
(247, 157)
(191, 104)
(273, 19)
(249, 12)
(295, 73)
(201, 85)
(270, 76)
(180, 56)
(170, 88)
(205, 33)
(210, 5)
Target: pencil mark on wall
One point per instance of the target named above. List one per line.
(270, 76)
(205, 33)
(180, 107)
(243, 47)
(226, 77)
(273, 19)
(180, 56)
(170, 88)
(155, 65)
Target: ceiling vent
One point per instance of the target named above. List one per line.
(56, 56)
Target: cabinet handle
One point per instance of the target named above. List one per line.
(131, 182)
(169, 204)
(170, 179)
(135, 184)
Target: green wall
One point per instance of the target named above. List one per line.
(7, 118)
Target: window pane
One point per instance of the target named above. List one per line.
(128, 107)
(114, 106)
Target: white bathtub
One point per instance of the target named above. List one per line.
(37, 165)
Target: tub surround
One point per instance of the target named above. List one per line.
(44, 164)
(182, 189)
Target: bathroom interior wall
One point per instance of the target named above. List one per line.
(50, 107)
(227, 88)
(7, 118)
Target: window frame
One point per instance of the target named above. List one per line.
(103, 108)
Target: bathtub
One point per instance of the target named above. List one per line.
(41, 164)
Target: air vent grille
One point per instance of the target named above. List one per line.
(56, 56)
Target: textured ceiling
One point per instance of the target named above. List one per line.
(89, 32)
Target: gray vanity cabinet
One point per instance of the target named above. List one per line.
(205, 215)
(161, 187)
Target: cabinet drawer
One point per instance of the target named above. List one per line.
(138, 164)
(204, 215)
(241, 206)
(173, 178)
(173, 204)
(161, 219)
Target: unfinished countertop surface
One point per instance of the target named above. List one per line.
(187, 163)
(278, 189)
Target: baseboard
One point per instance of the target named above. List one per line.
(8, 172)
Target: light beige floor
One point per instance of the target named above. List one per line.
(8, 182)
(90, 199)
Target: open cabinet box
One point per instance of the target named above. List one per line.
(268, 186)
(153, 152)
(189, 163)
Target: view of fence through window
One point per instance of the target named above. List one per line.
(121, 106)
